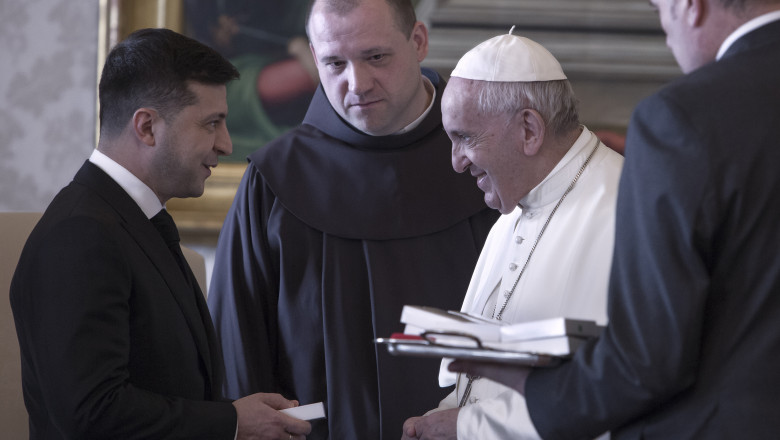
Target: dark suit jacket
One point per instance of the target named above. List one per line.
(693, 345)
(114, 342)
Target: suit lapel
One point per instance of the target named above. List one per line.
(139, 227)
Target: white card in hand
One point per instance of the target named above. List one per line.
(306, 412)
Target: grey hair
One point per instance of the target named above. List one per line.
(554, 100)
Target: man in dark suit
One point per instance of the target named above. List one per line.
(692, 349)
(115, 335)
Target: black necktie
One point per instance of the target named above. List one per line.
(167, 228)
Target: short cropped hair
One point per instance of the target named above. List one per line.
(152, 68)
(554, 100)
(742, 5)
(403, 10)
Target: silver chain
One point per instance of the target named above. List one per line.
(467, 392)
(508, 295)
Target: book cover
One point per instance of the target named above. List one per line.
(562, 346)
(548, 328)
(424, 318)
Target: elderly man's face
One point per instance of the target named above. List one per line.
(369, 69)
(488, 146)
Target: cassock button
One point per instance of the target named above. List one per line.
(512, 266)
(519, 239)
(473, 400)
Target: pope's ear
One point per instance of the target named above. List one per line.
(143, 125)
(533, 130)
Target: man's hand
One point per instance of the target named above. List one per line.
(259, 418)
(440, 425)
(512, 376)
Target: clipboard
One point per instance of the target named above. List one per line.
(427, 347)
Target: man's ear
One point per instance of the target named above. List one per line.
(143, 125)
(696, 11)
(533, 130)
(420, 40)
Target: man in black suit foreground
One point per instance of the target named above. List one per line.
(692, 349)
(115, 335)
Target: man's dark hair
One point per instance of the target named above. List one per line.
(403, 11)
(743, 5)
(151, 68)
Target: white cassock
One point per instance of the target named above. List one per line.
(566, 276)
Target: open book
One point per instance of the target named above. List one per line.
(559, 336)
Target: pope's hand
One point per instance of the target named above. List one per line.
(440, 425)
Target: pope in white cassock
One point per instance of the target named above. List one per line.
(511, 115)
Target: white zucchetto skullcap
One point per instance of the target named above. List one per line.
(509, 58)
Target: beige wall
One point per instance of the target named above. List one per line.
(48, 52)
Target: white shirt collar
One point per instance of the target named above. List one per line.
(751, 25)
(432, 90)
(143, 195)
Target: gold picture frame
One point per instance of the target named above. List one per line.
(197, 218)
